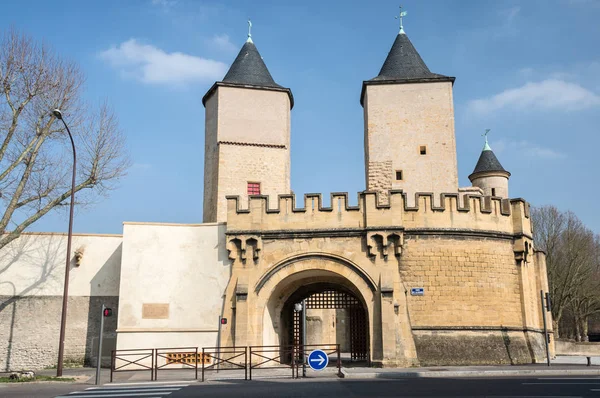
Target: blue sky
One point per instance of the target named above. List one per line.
(529, 70)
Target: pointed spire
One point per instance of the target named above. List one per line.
(402, 14)
(249, 40)
(486, 147)
(488, 160)
(249, 67)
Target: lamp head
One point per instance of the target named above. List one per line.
(57, 113)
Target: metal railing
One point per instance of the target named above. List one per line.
(274, 357)
(225, 358)
(219, 359)
(132, 361)
(186, 357)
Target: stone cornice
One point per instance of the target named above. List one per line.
(354, 232)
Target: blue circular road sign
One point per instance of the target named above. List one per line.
(318, 360)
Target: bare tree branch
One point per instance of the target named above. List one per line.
(34, 147)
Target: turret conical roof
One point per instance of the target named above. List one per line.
(404, 62)
(488, 162)
(249, 68)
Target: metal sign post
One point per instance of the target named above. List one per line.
(98, 363)
(304, 338)
(545, 328)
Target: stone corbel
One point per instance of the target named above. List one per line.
(233, 247)
(372, 243)
(522, 247)
(255, 244)
(238, 246)
(397, 240)
(394, 239)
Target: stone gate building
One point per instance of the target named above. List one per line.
(419, 272)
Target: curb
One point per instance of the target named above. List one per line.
(470, 373)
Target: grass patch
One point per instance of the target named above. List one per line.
(37, 378)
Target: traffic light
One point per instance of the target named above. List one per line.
(107, 312)
(548, 302)
(223, 321)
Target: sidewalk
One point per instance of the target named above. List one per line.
(560, 366)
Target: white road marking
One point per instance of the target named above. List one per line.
(146, 391)
(118, 386)
(114, 395)
(175, 383)
(113, 390)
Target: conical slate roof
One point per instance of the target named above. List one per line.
(488, 161)
(249, 68)
(249, 71)
(404, 62)
(403, 65)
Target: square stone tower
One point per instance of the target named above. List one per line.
(247, 135)
(409, 126)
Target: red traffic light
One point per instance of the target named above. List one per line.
(107, 312)
(223, 321)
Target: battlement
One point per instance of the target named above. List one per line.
(453, 211)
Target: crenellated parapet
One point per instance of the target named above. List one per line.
(451, 211)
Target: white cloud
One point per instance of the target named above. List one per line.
(528, 148)
(150, 64)
(549, 94)
(222, 43)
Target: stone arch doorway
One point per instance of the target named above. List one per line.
(334, 315)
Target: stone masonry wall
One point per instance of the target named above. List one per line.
(467, 282)
(379, 179)
(402, 118)
(211, 160)
(240, 164)
(32, 270)
(30, 327)
(247, 140)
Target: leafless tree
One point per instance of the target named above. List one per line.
(35, 152)
(572, 258)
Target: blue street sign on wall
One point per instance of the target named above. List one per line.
(417, 291)
(318, 360)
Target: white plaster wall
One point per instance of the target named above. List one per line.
(185, 266)
(34, 265)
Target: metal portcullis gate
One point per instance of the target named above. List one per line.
(358, 324)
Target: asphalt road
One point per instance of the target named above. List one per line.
(548, 387)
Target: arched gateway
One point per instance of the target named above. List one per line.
(339, 298)
(335, 293)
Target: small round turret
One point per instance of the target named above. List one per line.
(489, 175)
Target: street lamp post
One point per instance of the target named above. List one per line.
(301, 309)
(63, 319)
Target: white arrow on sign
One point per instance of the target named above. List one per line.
(320, 360)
